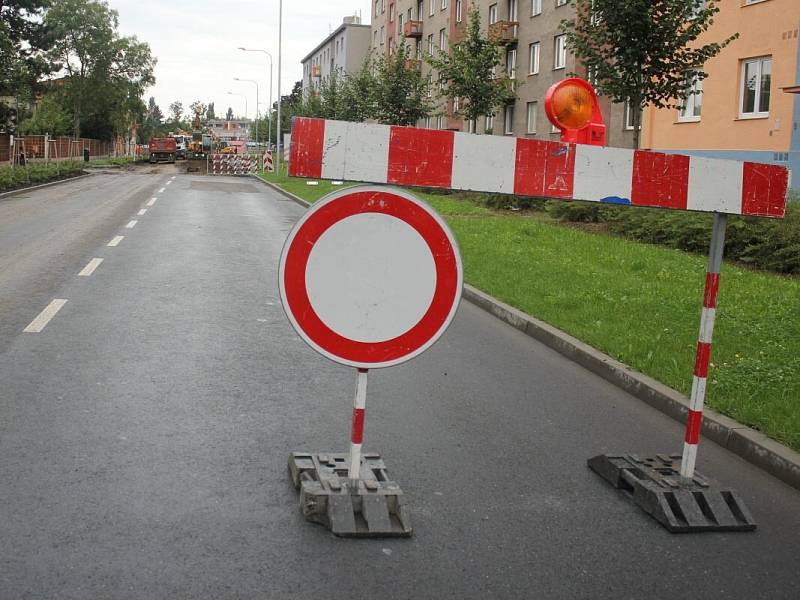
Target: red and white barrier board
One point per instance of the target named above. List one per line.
(233, 164)
(268, 165)
(325, 149)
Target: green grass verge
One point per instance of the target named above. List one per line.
(638, 303)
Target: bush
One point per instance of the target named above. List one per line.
(36, 173)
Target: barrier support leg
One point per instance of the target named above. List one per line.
(695, 418)
(357, 432)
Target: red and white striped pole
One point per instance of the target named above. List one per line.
(703, 357)
(357, 432)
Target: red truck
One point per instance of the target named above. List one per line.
(163, 148)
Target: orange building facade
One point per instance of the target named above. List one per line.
(742, 109)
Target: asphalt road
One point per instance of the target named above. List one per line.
(144, 431)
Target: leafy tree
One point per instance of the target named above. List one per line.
(23, 38)
(229, 114)
(198, 109)
(401, 92)
(358, 94)
(643, 51)
(48, 117)
(176, 111)
(470, 71)
(210, 112)
(103, 69)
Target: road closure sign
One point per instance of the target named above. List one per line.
(370, 276)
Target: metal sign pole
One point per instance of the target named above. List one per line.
(702, 358)
(357, 431)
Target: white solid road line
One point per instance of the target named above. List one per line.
(151, 201)
(90, 267)
(132, 224)
(44, 317)
(117, 239)
(142, 212)
(161, 190)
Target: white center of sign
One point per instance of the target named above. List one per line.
(370, 277)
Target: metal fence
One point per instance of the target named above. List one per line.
(43, 147)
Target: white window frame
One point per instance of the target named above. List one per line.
(493, 14)
(431, 8)
(456, 105)
(691, 107)
(508, 119)
(536, 8)
(459, 10)
(560, 52)
(629, 117)
(511, 63)
(560, 3)
(444, 4)
(531, 114)
(442, 40)
(534, 53)
(430, 43)
(391, 12)
(440, 122)
(489, 123)
(472, 125)
(757, 113)
(513, 10)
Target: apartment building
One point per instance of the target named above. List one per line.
(534, 55)
(741, 110)
(343, 51)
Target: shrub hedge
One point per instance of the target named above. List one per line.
(770, 244)
(36, 173)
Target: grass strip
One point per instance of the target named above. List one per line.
(637, 302)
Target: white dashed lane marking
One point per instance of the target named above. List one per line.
(142, 212)
(90, 267)
(151, 201)
(132, 224)
(161, 190)
(117, 239)
(41, 321)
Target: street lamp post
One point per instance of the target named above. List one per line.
(269, 109)
(252, 81)
(280, 44)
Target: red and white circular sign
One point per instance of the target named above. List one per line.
(370, 276)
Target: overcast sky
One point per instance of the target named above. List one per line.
(196, 44)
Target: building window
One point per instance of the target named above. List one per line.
(432, 8)
(629, 115)
(488, 125)
(536, 7)
(377, 4)
(560, 54)
(512, 10)
(444, 4)
(511, 64)
(561, 2)
(472, 125)
(440, 122)
(383, 35)
(459, 10)
(456, 105)
(533, 58)
(375, 38)
(493, 14)
(692, 102)
(383, 6)
(430, 44)
(755, 90)
(531, 118)
(400, 24)
(442, 40)
(508, 120)
(391, 13)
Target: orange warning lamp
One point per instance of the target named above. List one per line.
(571, 105)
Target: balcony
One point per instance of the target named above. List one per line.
(412, 29)
(413, 64)
(316, 71)
(503, 33)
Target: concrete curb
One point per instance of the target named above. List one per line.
(283, 192)
(43, 185)
(751, 445)
(754, 447)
